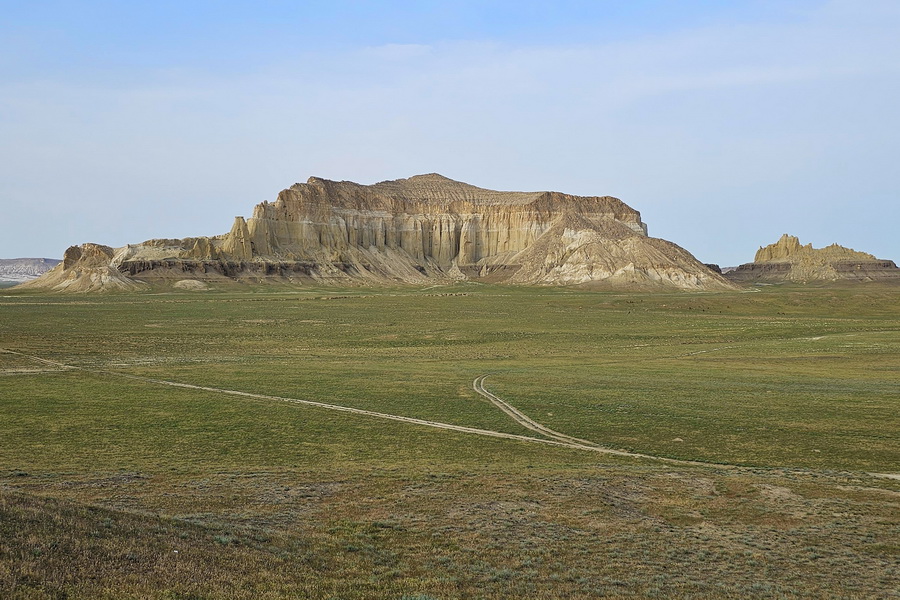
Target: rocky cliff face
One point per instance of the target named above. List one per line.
(85, 268)
(788, 260)
(789, 249)
(426, 228)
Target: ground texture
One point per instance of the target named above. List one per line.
(116, 486)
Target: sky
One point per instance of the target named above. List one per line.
(725, 123)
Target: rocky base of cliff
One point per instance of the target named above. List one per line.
(876, 270)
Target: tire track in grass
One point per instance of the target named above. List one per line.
(555, 438)
(345, 409)
(523, 419)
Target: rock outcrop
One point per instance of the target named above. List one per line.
(788, 260)
(85, 268)
(425, 228)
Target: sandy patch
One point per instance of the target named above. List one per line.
(190, 285)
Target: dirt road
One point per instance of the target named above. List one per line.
(336, 407)
(555, 438)
(523, 419)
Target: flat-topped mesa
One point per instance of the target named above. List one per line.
(20, 270)
(426, 228)
(788, 260)
(428, 217)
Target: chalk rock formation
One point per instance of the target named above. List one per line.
(788, 260)
(85, 268)
(426, 228)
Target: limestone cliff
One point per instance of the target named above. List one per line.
(788, 260)
(426, 228)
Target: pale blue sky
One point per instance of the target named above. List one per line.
(725, 123)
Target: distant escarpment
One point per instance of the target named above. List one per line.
(788, 260)
(423, 229)
(24, 269)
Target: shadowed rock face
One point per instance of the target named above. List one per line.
(427, 228)
(788, 260)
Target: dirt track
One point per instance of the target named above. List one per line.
(524, 420)
(337, 407)
(556, 438)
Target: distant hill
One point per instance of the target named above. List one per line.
(420, 230)
(789, 260)
(18, 270)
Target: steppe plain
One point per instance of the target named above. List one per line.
(782, 401)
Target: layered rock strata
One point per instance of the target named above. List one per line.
(788, 260)
(425, 228)
(85, 268)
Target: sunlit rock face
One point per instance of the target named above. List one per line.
(85, 268)
(429, 218)
(427, 228)
(789, 260)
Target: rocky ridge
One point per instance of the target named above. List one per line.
(788, 260)
(422, 229)
(24, 269)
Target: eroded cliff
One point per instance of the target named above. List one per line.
(789, 260)
(85, 268)
(425, 228)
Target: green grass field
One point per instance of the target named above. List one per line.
(790, 395)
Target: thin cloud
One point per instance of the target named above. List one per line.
(783, 116)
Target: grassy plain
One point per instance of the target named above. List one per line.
(789, 393)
